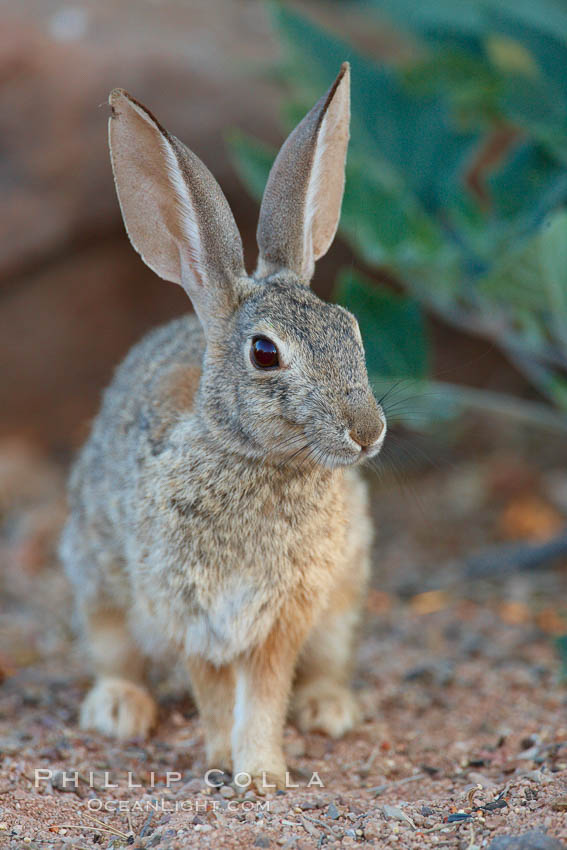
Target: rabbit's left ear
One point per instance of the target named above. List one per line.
(175, 213)
(301, 206)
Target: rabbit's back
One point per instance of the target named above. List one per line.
(152, 388)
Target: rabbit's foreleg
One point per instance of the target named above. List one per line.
(263, 684)
(213, 689)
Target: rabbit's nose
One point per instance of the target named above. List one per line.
(367, 431)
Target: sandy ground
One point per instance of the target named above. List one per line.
(464, 738)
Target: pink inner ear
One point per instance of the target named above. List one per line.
(326, 185)
(190, 243)
(174, 210)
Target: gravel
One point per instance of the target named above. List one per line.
(463, 742)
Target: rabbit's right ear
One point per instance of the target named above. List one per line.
(301, 206)
(175, 213)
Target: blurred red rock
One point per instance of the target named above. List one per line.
(73, 295)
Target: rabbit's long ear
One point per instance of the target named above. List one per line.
(175, 213)
(302, 202)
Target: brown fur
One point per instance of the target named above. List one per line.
(215, 508)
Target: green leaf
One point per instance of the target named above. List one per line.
(384, 221)
(495, 57)
(392, 327)
(464, 23)
(541, 28)
(515, 281)
(439, 21)
(539, 107)
(561, 646)
(558, 390)
(548, 17)
(408, 134)
(553, 262)
(252, 161)
(532, 275)
(467, 80)
(523, 182)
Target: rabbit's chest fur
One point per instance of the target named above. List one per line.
(225, 544)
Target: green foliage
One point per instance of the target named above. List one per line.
(456, 180)
(392, 326)
(253, 161)
(561, 645)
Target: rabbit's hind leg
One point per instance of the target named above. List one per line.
(118, 704)
(213, 689)
(323, 700)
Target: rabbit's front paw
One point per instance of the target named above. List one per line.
(267, 775)
(268, 782)
(119, 708)
(263, 781)
(219, 756)
(327, 707)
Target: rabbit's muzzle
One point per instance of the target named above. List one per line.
(368, 427)
(367, 432)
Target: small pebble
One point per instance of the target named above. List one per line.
(394, 813)
(372, 829)
(559, 804)
(535, 839)
(332, 811)
(64, 782)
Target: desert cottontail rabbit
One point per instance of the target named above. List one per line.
(215, 507)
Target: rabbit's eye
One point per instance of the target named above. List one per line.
(264, 353)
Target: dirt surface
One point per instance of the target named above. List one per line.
(464, 739)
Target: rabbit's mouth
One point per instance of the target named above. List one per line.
(350, 452)
(347, 448)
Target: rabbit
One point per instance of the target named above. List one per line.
(217, 507)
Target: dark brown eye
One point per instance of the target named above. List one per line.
(264, 353)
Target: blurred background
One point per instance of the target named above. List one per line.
(452, 252)
(455, 192)
(73, 295)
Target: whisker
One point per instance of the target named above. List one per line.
(389, 391)
(289, 442)
(424, 397)
(376, 380)
(310, 453)
(376, 468)
(415, 445)
(408, 491)
(289, 459)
